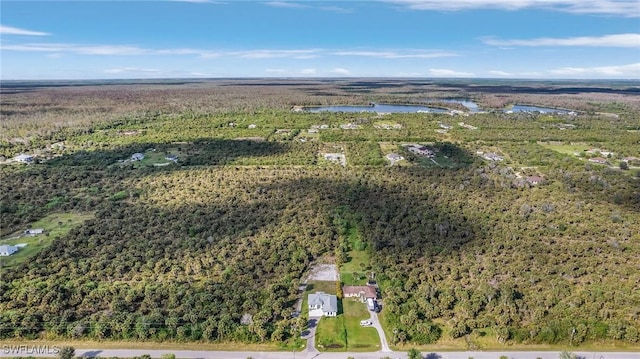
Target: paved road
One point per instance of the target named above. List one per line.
(5, 352)
(383, 339)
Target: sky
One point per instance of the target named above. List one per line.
(531, 39)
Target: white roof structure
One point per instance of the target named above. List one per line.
(328, 302)
(7, 250)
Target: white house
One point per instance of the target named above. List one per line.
(492, 157)
(7, 250)
(323, 305)
(23, 158)
(137, 156)
(33, 232)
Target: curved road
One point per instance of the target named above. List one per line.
(7, 352)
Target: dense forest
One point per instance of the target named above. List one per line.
(183, 251)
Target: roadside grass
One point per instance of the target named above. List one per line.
(485, 339)
(56, 225)
(150, 345)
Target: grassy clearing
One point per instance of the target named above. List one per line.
(353, 271)
(569, 149)
(56, 225)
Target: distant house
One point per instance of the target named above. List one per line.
(253, 125)
(7, 250)
(137, 156)
(534, 180)
(599, 160)
(349, 126)
(420, 150)
(363, 292)
(33, 232)
(492, 157)
(173, 158)
(323, 305)
(23, 158)
(394, 157)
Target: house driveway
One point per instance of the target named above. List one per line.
(384, 346)
(310, 334)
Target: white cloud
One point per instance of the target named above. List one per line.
(285, 4)
(335, 9)
(8, 30)
(341, 71)
(79, 49)
(396, 54)
(296, 5)
(201, 74)
(631, 71)
(449, 73)
(308, 72)
(268, 54)
(120, 70)
(626, 8)
(500, 73)
(617, 40)
(200, 1)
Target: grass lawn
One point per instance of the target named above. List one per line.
(331, 334)
(566, 149)
(358, 338)
(55, 225)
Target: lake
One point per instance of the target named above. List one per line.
(524, 108)
(384, 108)
(472, 106)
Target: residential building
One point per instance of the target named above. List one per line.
(363, 292)
(33, 232)
(23, 158)
(599, 160)
(534, 180)
(7, 250)
(492, 157)
(137, 156)
(322, 305)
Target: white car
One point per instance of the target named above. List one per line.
(365, 323)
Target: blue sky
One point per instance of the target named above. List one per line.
(568, 39)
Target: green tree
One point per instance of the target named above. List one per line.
(67, 353)
(414, 354)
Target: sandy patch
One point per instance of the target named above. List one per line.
(326, 272)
